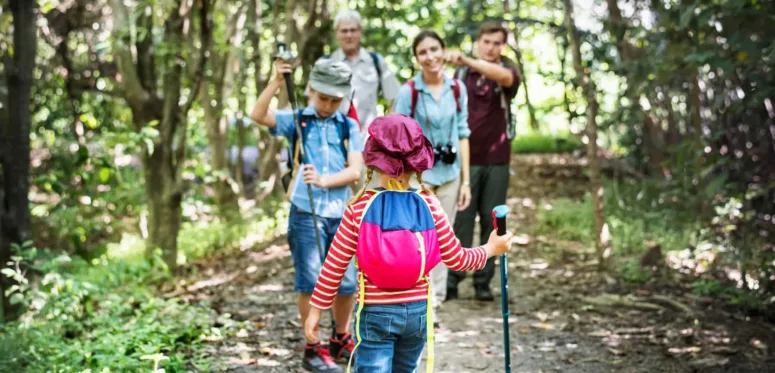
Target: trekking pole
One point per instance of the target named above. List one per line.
(499, 214)
(286, 55)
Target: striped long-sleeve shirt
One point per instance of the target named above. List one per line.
(343, 248)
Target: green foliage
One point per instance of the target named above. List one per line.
(545, 143)
(633, 273)
(630, 226)
(727, 293)
(105, 318)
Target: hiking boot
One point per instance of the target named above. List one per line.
(451, 294)
(317, 359)
(342, 348)
(483, 293)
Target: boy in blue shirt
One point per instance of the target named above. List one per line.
(330, 169)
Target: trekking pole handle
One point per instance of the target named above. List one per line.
(286, 55)
(499, 214)
(289, 87)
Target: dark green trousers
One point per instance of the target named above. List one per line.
(489, 185)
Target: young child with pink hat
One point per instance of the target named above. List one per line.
(397, 235)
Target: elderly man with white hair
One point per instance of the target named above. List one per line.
(371, 75)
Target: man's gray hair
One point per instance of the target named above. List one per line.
(347, 15)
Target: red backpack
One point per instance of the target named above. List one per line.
(455, 91)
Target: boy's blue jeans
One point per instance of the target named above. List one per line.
(393, 337)
(306, 258)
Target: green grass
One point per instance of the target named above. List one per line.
(545, 143)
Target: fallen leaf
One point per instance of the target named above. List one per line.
(576, 317)
(617, 352)
(625, 331)
(542, 326)
(683, 351)
(599, 333)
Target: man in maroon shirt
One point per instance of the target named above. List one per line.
(491, 84)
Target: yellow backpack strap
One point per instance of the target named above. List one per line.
(394, 184)
(361, 301)
(295, 169)
(429, 327)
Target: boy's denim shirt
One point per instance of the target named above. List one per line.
(323, 149)
(444, 125)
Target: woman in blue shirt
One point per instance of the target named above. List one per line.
(441, 108)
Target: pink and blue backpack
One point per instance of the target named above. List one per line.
(397, 247)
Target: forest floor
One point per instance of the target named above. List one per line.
(565, 317)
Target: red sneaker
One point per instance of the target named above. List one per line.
(341, 349)
(317, 359)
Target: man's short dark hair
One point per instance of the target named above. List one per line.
(490, 28)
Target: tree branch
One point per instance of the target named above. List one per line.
(135, 94)
(206, 34)
(146, 68)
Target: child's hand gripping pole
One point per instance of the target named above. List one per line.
(499, 214)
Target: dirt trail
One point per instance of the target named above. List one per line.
(553, 328)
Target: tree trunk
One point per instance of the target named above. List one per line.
(521, 66)
(162, 162)
(596, 187)
(164, 197)
(221, 84)
(696, 104)
(15, 151)
(217, 136)
(316, 29)
(242, 108)
(654, 136)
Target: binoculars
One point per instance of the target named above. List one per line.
(445, 153)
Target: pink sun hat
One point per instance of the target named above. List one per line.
(396, 145)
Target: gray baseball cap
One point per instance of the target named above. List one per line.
(331, 78)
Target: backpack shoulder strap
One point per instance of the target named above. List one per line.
(414, 95)
(375, 58)
(456, 92)
(293, 140)
(373, 197)
(344, 134)
(460, 73)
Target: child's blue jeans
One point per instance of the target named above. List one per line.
(304, 250)
(393, 337)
